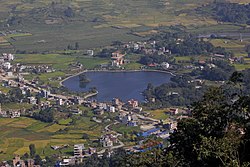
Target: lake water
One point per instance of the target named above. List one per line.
(123, 85)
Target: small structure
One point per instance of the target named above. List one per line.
(68, 162)
(165, 65)
(130, 120)
(78, 150)
(149, 132)
(17, 162)
(173, 111)
(32, 100)
(133, 103)
(59, 102)
(45, 93)
(8, 56)
(117, 59)
(90, 52)
(7, 65)
(112, 109)
(108, 140)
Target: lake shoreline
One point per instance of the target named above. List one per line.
(114, 71)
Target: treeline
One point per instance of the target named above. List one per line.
(46, 115)
(186, 44)
(228, 12)
(148, 59)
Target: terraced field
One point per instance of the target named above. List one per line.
(17, 134)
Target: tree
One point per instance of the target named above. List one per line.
(69, 12)
(32, 150)
(76, 46)
(38, 160)
(85, 136)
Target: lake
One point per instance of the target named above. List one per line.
(122, 85)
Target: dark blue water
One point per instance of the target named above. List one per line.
(123, 85)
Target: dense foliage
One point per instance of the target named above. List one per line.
(228, 12)
(149, 59)
(14, 95)
(45, 115)
(181, 91)
(186, 44)
(221, 71)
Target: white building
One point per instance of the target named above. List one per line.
(8, 56)
(112, 109)
(60, 102)
(90, 52)
(7, 65)
(165, 65)
(79, 150)
(108, 140)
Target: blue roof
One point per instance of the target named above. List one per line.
(149, 132)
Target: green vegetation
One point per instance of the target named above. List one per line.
(17, 134)
(228, 12)
(160, 114)
(55, 60)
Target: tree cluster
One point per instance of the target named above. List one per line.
(221, 72)
(228, 12)
(46, 115)
(187, 44)
(179, 92)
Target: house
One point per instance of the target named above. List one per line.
(78, 150)
(173, 111)
(165, 65)
(130, 120)
(67, 162)
(98, 111)
(17, 162)
(90, 151)
(59, 102)
(32, 100)
(78, 100)
(4, 164)
(117, 59)
(103, 106)
(112, 109)
(45, 93)
(8, 56)
(133, 103)
(90, 52)
(116, 102)
(149, 132)
(108, 140)
(7, 65)
(15, 114)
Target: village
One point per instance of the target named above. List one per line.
(128, 113)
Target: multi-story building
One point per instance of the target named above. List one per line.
(79, 150)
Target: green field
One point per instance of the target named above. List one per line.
(160, 114)
(59, 62)
(16, 135)
(95, 23)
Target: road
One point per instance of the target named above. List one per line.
(121, 144)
